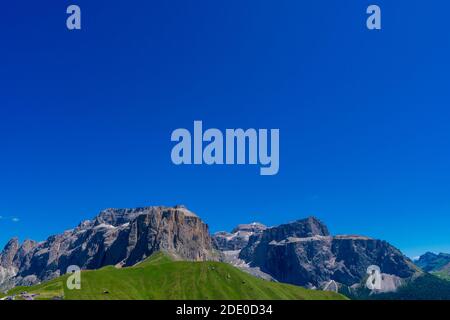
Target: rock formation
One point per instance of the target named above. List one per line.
(304, 253)
(238, 238)
(120, 237)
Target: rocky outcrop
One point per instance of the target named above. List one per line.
(238, 238)
(115, 237)
(9, 252)
(11, 259)
(304, 253)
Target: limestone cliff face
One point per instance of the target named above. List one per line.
(12, 258)
(304, 253)
(115, 237)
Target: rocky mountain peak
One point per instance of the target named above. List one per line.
(12, 244)
(9, 252)
(310, 227)
(28, 244)
(304, 253)
(427, 256)
(304, 228)
(116, 217)
(432, 262)
(239, 236)
(250, 227)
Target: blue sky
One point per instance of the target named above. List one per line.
(86, 116)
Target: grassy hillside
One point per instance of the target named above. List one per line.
(159, 277)
(443, 275)
(424, 287)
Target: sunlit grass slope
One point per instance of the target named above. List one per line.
(160, 277)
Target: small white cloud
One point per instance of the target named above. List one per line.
(10, 218)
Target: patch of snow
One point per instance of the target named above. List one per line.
(105, 226)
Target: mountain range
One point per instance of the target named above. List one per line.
(301, 253)
(438, 264)
(304, 253)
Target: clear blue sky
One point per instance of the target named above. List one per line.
(86, 116)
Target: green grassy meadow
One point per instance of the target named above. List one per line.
(161, 278)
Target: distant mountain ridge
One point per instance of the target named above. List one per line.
(438, 264)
